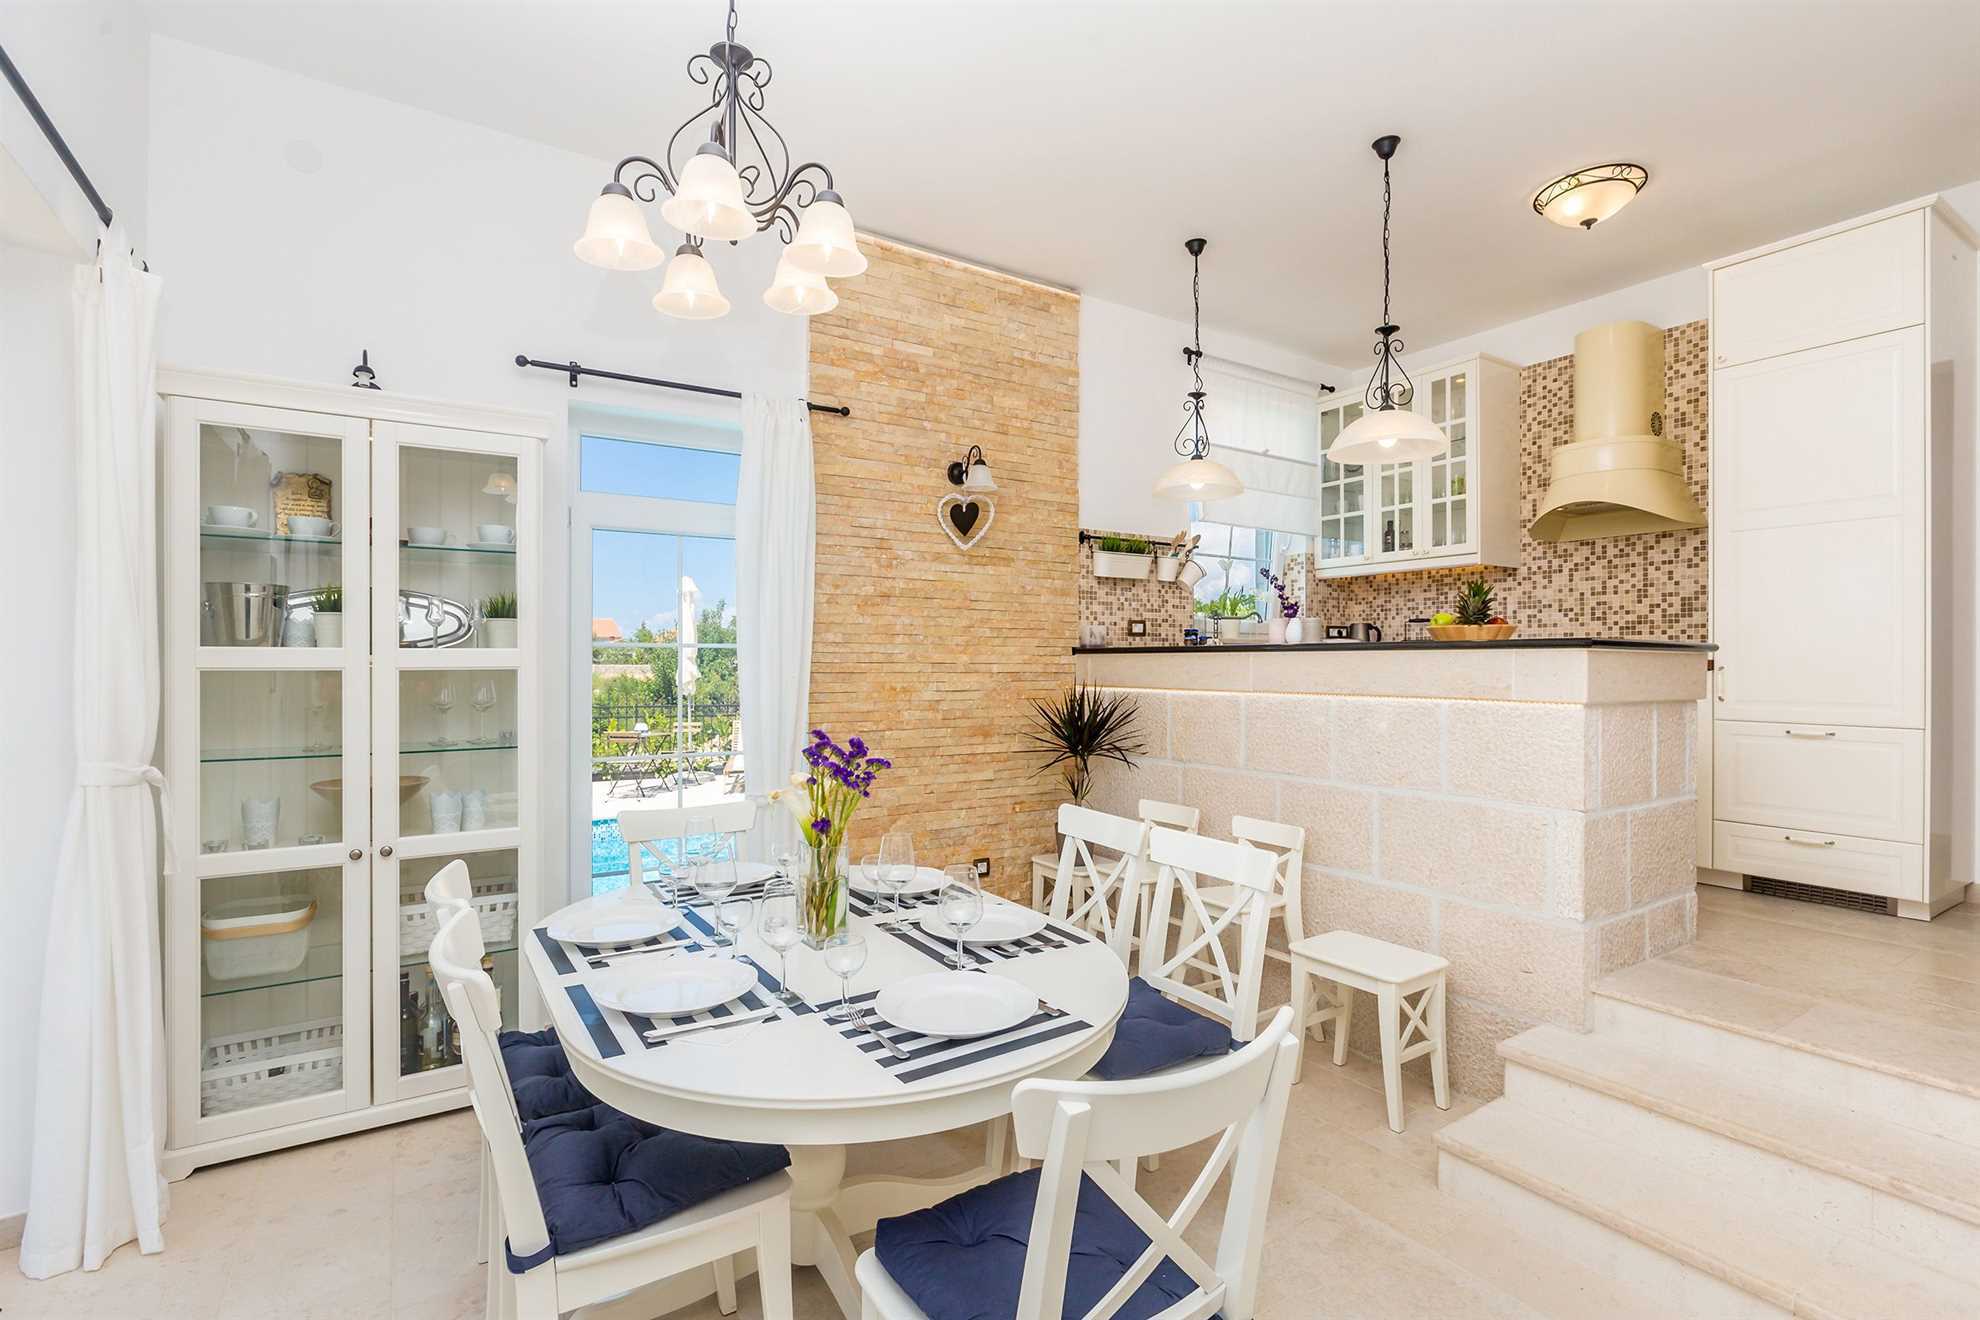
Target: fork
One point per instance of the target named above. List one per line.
(865, 1022)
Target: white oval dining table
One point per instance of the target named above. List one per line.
(815, 1087)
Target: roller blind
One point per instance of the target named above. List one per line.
(1266, 429)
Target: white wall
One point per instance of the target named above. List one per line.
(1131, 385)
(86, 62)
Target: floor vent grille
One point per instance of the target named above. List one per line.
(1842, 898)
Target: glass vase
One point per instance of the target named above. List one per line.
(822, 897)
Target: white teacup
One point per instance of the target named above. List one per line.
(427, 535)
(230, 515)
(308, 524)
(495, 533)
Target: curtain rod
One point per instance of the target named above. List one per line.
(55, 140)
(573, 370)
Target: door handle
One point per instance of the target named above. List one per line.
(386, 851)
(1809, 843)
(1719, 680)
(357, 854)
(1808, 733)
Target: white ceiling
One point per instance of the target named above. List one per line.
(1082, 142)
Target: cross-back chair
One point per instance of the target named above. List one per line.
(1239, 877)
(1106, 902)
(654, 825)
(1287, 845)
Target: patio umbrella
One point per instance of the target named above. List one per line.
(690, 606)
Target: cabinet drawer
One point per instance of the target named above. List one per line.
(1864, 782)
(1831, 861)
(1862, 281)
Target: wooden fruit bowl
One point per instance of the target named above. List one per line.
(1472, 632)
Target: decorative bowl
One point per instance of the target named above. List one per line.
(1472, 632)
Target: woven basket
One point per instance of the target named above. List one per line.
(252, 1068)
(417, 925)
(1472, 632)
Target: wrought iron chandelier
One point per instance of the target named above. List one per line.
(1198, 476)
(738, 182)
(1387, 432)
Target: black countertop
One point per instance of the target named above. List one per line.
(1510, 644)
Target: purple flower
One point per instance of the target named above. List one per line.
(822, 826)
(877, 763)
(856, 745)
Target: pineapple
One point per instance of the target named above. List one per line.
(1475, 605)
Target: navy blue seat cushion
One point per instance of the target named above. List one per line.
(1156, 1033)
(601, 1173)
(964, 1259)
(540, 1074)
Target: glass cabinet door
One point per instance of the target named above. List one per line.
(1344, 515)
(1394, 532)
(1449, 484)
(418, 1048)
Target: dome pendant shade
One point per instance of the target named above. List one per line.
(1387, 435)
(615, 234)
(709, 202)
(825, 243)
(1199, 479)
(798, 292)
(1587, 197)
(689, 290)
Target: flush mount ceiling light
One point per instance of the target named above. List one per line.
(1585, 198)
(1388, 432)
(737, 183)
(1198, 476)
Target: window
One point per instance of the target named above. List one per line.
(653, 554)
(1231, 557)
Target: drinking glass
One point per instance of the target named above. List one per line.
(777, 923)
(731, 915)
(443, 701)
(961, 907)
(845, 954)
(896, 864)
(483, 701)
(869, 872)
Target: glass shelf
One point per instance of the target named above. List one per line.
(325, 962)
(419, 959)
(408, 548)
(435, 749)
(230, 756)
(210, 533)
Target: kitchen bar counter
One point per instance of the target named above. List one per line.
(1526, 809)
(1424, 644)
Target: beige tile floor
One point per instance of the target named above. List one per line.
(380, 1224)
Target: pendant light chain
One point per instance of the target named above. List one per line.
(1193, 440)
(1382, 395)
(1388, 198)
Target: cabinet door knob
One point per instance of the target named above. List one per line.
(386, 851)
(357, 854)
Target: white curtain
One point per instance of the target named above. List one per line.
(1266, 429)
(775, 520)
(99, 1113)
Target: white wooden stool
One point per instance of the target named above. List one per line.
(1392, 974)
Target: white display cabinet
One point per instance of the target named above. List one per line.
(350, 633)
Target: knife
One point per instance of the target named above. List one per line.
(675, 1033)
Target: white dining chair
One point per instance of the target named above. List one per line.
(450, 890)
(1106, 901)
(1075, 1211)
(528, 1278)
(1240, 876)
(450, 887)
(1151, 811)
(643, 825)
(1287, 844)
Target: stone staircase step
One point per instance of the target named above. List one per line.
(1663, 1231)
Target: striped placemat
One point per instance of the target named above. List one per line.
(1054, 936)
(931, 1056)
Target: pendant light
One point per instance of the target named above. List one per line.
(1388, 432)
(1198, 476)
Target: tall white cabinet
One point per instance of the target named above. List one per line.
(1842, 585)
(346, 709)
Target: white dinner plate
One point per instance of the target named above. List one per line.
(956, 1005)
(1002, 922)
(613, 920)
(659, 985)
(926, 881)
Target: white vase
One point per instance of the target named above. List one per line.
(329, 629)
(1275, 631)
(498, 632)
(1295, 630)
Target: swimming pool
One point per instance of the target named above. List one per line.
(609, 864)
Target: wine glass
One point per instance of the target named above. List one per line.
(845, 954)
(896, 864)
(732, 914)
(777, 923)
(443, 701)
(961, 906)
(483, 701)
(869, 871)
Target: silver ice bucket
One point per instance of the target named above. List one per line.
(242, 613)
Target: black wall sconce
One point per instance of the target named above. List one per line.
(972, 471)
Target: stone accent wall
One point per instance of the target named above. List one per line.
(930, 652)
(1537, 845)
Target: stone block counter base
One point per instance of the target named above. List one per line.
(1527, 811)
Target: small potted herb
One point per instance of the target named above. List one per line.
(1122, 557)
(329, 608)
(498, 620)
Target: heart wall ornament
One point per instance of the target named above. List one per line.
(965, 518)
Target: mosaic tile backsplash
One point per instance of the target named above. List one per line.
(1652, 586)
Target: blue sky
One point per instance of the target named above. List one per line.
(635, 576)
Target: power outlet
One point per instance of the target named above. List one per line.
(982, 865)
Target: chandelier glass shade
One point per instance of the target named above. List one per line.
(1585, 198)
(726, 175)
(1388, 432)
(1198, 476)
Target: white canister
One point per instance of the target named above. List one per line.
(446, 812)
(1295, 630)
(329, 630)
(1275, 631)
(1227, 629)
(258, 820)
(474, 809)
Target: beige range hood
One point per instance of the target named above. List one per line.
(1619, 476)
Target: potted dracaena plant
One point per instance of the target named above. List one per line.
(1079, 727)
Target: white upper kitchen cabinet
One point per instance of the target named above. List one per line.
(1453, 511)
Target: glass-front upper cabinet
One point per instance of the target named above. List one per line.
(1458, 509)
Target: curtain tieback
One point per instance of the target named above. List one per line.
(111, 774)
